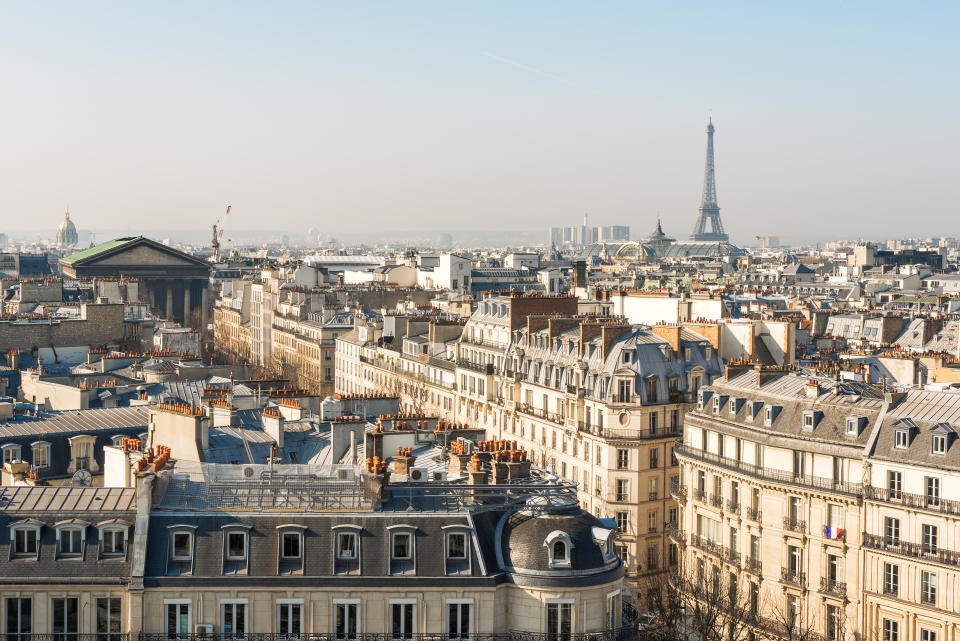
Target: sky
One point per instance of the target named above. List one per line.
(833, 120)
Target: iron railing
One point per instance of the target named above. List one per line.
(752, 565)
(793, 577)
(916, 501)
(607, 635)
(618, 434)
(733, 506)
(678, 491)
(716, 500)
(676, 534)
(778, 476)
(539, 412)
(794, 525)
(832, 586)
(753, 513)
(913, 550)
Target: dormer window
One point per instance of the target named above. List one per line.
(901, 439)
(702, 399)
(25, 537)
(113, 540)
(770, 413)
(752, 408)
(236, 546)
(559, 548)
(811, 418)
(938, 444)
(11, 453)
(627, 357)
(181, 546)
(854, 425)
(457, 546)
(290, 545)
(346, 545)
(41, 455)
(69, 541)
(401, 545)
(734, 406)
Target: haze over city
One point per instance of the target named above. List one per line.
(832, 121)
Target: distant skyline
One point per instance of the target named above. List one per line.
(831, 121)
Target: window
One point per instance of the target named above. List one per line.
(19, 618)
(653, 422)
(11, 453)
(25, 539)
(66, 618)
(623, 490)
(939, 444)
(623, 391)
(233, 618)
(834, 624)
(929, 539)
(401, 547)
(891, 530)
(853, 425)
(178, 619)
(289, 617)
(928, 635)
(808, 420)
(623, 459)
(894, 484)
(652, 521)
(891, 630)
(627, 356)
(623, 519)
(69, 540)
(932, 491)
(928, 588)
(653, 558)
(401, 619)
(236, 546)
(559, 552)
(795, 560)
(290, 545)
(457, 545)
(41, 455)
(346, 545)
(900, 439)
(751, 410)
(108, 619)
(345, 618)
(182, 543)
(458, 619)
(891, 579)
(113, 540)
(559, 621)
(597, 488)
(652, 388)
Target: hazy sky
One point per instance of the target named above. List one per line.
(355, 116)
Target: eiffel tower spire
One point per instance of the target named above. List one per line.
(709, 215)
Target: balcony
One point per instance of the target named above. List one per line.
(699, 495)
(832, 586)
(677, 491)
(676, 535)
(753, 513)
(912, 550)
(794, 525)
(653, 496)
(633, 435)
(709, 546)
(733, 506)
(793, 577)
(786, 478)
(752, 565)
(539, 412)
(716, 500)
(915, 501)
(513, 635)
(483, 368)
(733, 557)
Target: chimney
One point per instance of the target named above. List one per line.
(670, 333)
(536, 323)
(182, 428)
(224, 414)
(610, 333)
(476, 472)
(735, 369)
(579, 273)
(587, 332)
(557, 325)
(813, 388)
(273, 424)
(767, 374)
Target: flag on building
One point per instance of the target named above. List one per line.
(834, 532)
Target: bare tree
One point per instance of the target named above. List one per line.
(701, 600)
(789, 620)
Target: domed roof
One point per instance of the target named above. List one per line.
(523, 537)
(67, 231)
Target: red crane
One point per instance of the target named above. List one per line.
(218, 234)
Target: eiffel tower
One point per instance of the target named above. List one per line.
(709, 215)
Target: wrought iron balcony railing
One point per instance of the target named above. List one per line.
(913, 550)
(794, 525)
(793, 577)
(753, 513)
(678, 491)
(916, 501)
(832, 586)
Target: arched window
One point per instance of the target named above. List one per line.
(559, 551)
(559, 548)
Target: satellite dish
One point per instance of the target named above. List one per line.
(82, 478)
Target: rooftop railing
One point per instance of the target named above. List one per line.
(916, 501)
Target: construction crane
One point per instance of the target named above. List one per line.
(763, 240)
(218, 234)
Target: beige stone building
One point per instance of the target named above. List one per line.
(825, 500)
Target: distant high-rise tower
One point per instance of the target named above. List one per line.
(709, 216)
